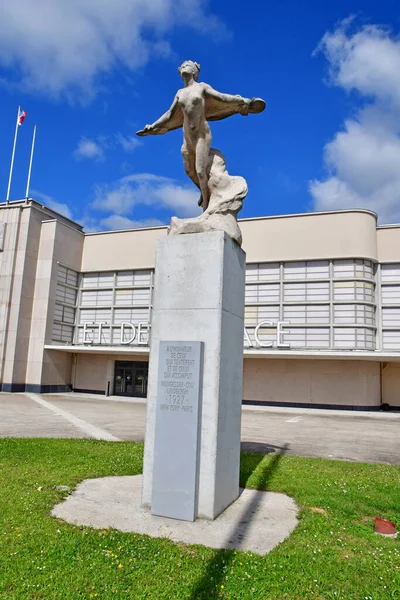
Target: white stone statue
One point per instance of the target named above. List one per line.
(221, 194)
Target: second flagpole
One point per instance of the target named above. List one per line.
(30, 164)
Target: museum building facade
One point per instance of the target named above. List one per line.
(322, 307)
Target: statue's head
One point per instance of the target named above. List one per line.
(190, 67)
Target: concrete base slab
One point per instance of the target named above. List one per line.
(257, 521)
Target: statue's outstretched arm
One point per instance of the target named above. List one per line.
(225, 97)
(157, 126)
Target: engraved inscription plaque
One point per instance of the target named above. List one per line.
(176, 444)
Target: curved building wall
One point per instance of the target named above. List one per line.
(344, 234)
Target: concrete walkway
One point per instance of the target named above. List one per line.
(359, 436)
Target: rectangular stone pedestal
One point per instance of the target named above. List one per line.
(199, 296)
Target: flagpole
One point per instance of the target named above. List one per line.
(12, 157)
(30, 164)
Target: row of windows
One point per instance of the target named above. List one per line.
(316, 291)
(120, 315)
(122, 279)
(344, 338)
(315, 269)
(132, 297)
(363, 314)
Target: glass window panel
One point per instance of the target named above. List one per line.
(391, 294)
(64, 294)
(62, 333)
(268, 312)
(317, 337)
(124, 278)
(97, 280)
(294, 292)
(296, 337)
(58, 312)
(262, 293)
(132, 297)
(269, 272)
(369, 269)
(268, 293)
(317, 291)
(68, 314)
(62, 274)
(358, 338)
(106, 280)
(89, 280)
(70, 296)
(294, 270)
(263, 272)
(343, 268)
(72, 277)
(391, 317)
(294, 314)
(97, 298)
(142, 277)
(94, 315)
(311, 292)
(390, 273)
(354, 290)
(391, 340)
(251, 315)
(251, 293)
(353, 269)
(131, 315)
(352, 313)
(251, 272)
(317, 269)
(344, 337)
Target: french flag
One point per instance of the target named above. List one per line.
(21, 116)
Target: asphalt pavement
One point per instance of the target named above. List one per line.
(349, 435)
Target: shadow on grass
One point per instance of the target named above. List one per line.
(215, 571)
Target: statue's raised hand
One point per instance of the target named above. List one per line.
(256, 105)
(146, 131)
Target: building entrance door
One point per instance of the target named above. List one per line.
(130, 378)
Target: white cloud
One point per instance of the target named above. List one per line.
(90, 149)
(120, 222)
(48, 201)
(367, 60)
(150, 190)
(95, 148)
(64, 46)
(128, 143)
(363, 159)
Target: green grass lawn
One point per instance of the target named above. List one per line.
(332, 554)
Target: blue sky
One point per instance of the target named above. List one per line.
(91, 73)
